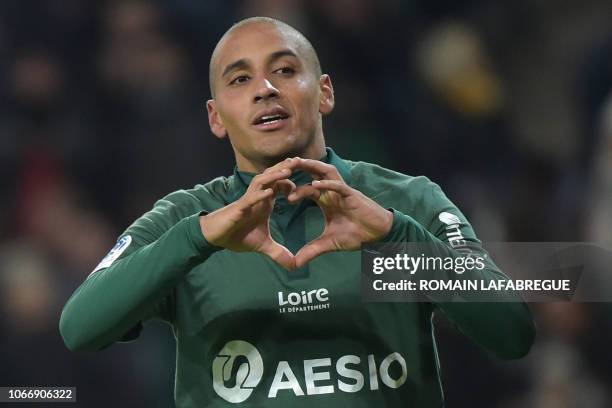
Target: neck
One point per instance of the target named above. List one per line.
(315, 151)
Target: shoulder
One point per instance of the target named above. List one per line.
(179, 204)
(416, 196)
(377, 181)
(208, 196)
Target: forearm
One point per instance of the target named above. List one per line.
(505, 327)
(113, 300)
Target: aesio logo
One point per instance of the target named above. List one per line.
(352, 375)
(247, 377)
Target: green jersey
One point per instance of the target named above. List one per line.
(252, 334)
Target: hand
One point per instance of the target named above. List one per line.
(243, 225)
(351, 218)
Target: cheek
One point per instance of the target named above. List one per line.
(308, 99)
(231, 113)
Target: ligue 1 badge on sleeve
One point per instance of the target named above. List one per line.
(114, 253)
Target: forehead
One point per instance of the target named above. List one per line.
(254, 42)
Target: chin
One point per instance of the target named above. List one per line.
(277, 150)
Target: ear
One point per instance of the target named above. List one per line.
(214, 120)
(326, 100)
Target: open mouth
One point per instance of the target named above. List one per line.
(271, 119)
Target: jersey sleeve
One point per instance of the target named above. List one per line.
(506, 327)
(135, 281)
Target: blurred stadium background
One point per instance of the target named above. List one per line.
(506, 104)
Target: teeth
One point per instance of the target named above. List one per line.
(270, 118)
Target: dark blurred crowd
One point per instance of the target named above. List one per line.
(506, 105)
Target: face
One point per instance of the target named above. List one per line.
(267, 99)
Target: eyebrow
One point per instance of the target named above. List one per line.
(243, 63)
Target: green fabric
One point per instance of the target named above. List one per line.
(331, 350)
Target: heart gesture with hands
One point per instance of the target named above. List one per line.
(351, 218)
(244, 224)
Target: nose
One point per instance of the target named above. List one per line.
(265, 91)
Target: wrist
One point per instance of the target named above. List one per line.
(197, 238)
(205, 228)
(395, 221)
(388, 223)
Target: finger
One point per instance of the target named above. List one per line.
(285, 186)
(302, 192)
(288, 163)
(279, 254)
(313, 249)
(256, 196)
(265, 180)
(318, 168)
(333, 185)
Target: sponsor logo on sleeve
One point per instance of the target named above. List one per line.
(453, 229)
(448, 218)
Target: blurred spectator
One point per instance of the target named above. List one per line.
(289, 11)
(560, 374)
(599, 222)
(152, 120)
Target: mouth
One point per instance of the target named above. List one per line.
(271, 119)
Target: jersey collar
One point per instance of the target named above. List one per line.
(240, 180)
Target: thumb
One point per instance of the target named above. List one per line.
(313, 249)
(278, 254)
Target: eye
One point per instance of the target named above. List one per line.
(239, 80)
(285, 70)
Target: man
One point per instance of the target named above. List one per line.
(255, 324)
